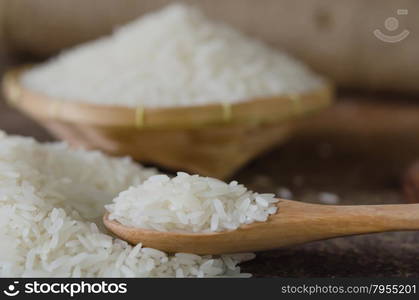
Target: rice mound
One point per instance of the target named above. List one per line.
(51, 197)
(190, 203)
(173, 57)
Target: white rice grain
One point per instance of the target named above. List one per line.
(51, 197)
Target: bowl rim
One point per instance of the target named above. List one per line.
(256, 111)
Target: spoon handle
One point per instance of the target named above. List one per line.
(311, 222)
(363, 218)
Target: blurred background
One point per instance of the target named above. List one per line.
(362, 150)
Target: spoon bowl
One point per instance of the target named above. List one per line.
(294, 223)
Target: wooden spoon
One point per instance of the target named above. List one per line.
(294, 223)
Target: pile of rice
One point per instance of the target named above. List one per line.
(51, 202)
(190, 203)
(173, 57)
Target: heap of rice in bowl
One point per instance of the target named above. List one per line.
(51, 201)
(172, 57)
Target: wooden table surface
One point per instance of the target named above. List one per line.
(357, 168)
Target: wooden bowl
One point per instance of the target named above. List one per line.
(213, 140)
